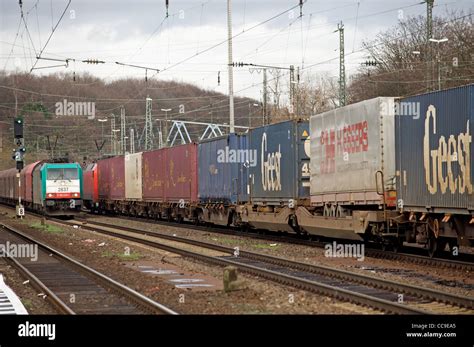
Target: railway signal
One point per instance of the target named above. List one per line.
(19, 142)
(19, 158)
(18, 128)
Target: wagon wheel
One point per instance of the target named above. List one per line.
(198, 218)
(432, 246)
(397, 245)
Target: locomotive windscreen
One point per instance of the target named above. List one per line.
(62, 174)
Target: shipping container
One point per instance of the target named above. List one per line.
(154, 175)
(434, 151)
(91, 184)
(111, 178)
(133, 176)
(279, 163)
(348, 146)
(222, 169)
(170, 174)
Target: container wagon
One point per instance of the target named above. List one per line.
(352, 172)
(278, 176)
(170, 182)
(111, 179)
(223, 164)
(435, 167)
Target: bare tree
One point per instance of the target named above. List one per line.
(401, 56)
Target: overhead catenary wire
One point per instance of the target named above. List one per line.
(252, 85)
(51, 35)
(20, 2)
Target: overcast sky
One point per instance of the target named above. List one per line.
(136, 32)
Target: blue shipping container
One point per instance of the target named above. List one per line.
(222, 169)
(434, 151)
(280, 174)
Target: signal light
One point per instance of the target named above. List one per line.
(18, 128)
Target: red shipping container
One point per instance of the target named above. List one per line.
(170, 174)
(27, 181)
(90, 183)
(111, 178)
(153, 175)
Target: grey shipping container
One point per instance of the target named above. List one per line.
(133, 176)
(348, 146)
(280, 172)
(434, 151)
(222, 169)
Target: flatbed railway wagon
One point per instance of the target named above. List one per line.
(278, 177)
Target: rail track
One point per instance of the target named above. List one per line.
(72, 287)
(464, 265)
(384, 295)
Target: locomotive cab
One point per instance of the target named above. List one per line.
(62, 188)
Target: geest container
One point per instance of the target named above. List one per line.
(348, 145)
(279, 165)
(222, 169)
(170, 174)
(434, 152)
(111, 178)
(133, 176)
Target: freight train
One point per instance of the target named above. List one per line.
(385, 170)
(53, 189)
